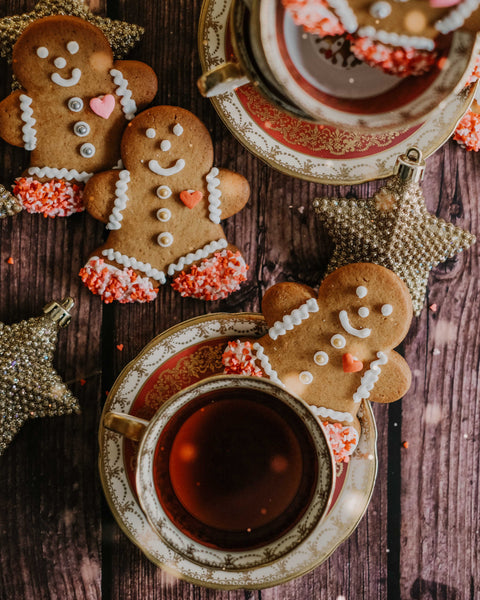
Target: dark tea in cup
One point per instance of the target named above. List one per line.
(235, 468)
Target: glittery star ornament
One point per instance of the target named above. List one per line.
(122, 36)
(9, 205)
(393, 229)
(29, 385)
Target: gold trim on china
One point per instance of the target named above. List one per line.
(432, 134)
(344, 515)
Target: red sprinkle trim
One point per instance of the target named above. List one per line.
(315, 16)
(238, 359)
(393, 60)
(214, 278)
(343, 440)
(112, 283)
(467, 133)
(54, 198)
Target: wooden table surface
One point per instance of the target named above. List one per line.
(419, 537)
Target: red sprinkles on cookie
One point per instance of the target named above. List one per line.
(314, 16)
(54, 198)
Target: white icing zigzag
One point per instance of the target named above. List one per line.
(370, 378)
(67, 174)
(456, 18)
(199, 254)
(346, 15)
(121, 200)
(128, 103)
(29, 132)
(130, 261)
(265, 364)
(214, 196)
(294, 318)
(328, 413)
(395, 39)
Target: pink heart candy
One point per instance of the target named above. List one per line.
(103, 106)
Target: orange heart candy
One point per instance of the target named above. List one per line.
(350, 364)
(190, 198)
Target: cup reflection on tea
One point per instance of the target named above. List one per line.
(231, 465)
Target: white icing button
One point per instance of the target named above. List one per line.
(81, 129)
(306, 377)
(163, 191)
(165, 239)
(164, 215)
(72, 47)
(60, 62)
(87, 150)
(178, 129)
(387, 310)
(380, 10)
(150, 133)
(320, 358)
(75, 104)
(338, 341)
(361, 291)
(165, 145)
(363, 312)
(42, 52)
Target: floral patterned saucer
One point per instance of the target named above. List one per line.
(180, 356)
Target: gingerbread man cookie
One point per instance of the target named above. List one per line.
(71, 111)
(163, 211)
(335, 349)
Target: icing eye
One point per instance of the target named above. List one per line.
(380, 10)
(164, 215)
(87, 150)
(72, 47)
(361, 291)
(75, 104)
(363, 312)
(42, 52)
(165, 239)
(163, 191)
(338, 341)
(320, 358)
(178, 129)
(60, 62)
(165, 145)
(387, 310)
(81, 129)
(150, 133)
(306, 377)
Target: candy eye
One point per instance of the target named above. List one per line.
(60, 62)
(165, 145)
(150, 133)
(387, 310)
(361, 291)
(72, 47)
(338, 341)
(178, 129)
(320, 358)
(363, 312)
(42, 52)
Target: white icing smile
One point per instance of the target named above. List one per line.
(360, 333)
(166, 172)
(71, 81)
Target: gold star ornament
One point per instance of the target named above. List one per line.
(121, 36)
(9, 205)
(393, 229)
(29, 385)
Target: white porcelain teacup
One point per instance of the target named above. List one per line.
(232, 472)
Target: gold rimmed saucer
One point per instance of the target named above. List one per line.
(182, 355)
(296, 147)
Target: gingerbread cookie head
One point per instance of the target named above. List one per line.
(336, 350)
(168, 143)
(63, 51)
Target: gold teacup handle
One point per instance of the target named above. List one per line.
(131, 427)
(222, 79)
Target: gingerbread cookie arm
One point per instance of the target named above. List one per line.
(393, 381)
(135, 82)
(99, 194)
(13, 118)
(235, 192)
(282, 298)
